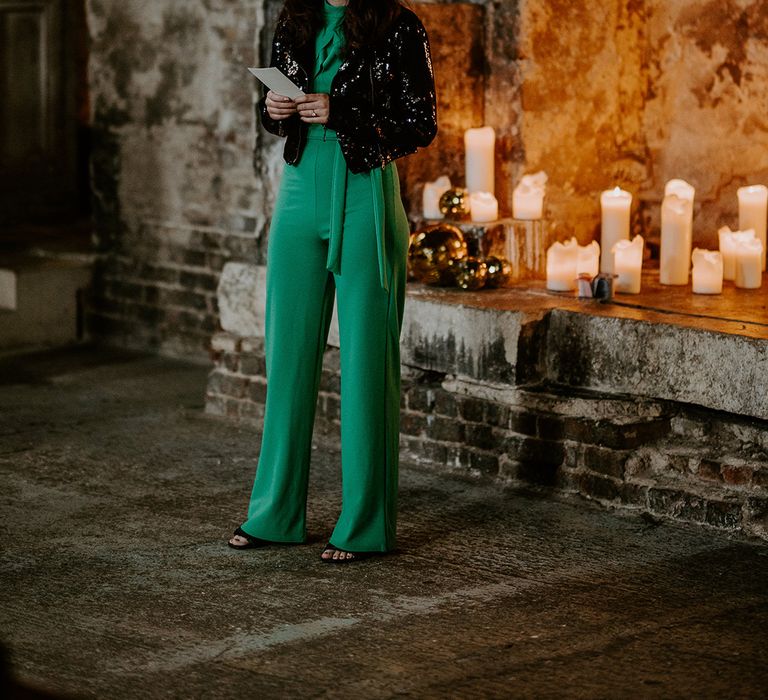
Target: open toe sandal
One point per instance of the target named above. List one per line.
(356, 556)
(252, 543)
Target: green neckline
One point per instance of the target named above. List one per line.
(333, 9)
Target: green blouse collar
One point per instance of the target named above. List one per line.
(333, 9)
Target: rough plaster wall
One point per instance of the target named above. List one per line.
(503, 108)
(630, 92)
(582, 94)
(172, 170)
(170, 88)
(706, 118)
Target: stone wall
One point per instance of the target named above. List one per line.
(175, 192)
(583, 85)
(706, 112)
(596, 93)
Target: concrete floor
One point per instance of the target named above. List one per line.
(118, 495)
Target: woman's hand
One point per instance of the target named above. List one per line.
(279, 107)
(314, 108)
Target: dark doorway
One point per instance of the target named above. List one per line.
(44, 118)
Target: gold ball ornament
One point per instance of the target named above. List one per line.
(454, 203)
(431, 252)
(471, 273)
(499, 271)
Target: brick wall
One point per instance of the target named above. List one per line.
(165, 300)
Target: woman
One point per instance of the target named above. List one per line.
(339, 226)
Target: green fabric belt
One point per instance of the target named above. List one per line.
(338, 204)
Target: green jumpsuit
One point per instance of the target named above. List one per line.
(333, 231)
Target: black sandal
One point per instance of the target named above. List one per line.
(253, 542)
(356, 556)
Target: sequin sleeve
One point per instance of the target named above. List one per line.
(409, 118)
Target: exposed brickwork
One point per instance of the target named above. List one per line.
(668, 460)
(169, 303)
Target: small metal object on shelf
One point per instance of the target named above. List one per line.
(602, 286)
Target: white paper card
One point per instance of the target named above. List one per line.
(278, 82)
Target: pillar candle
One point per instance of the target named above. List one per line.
(483, 207)
(588, 259)
(676, 239)
(431, 199)
(753, 211)
(562, 261)
(528, 196)
(479, 146)
(749, 263)
(615, 205)
(707, 272)
(728, 240)
(628, 265)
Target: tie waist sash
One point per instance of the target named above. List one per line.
(340, 176)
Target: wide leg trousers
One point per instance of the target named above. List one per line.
(325, 219)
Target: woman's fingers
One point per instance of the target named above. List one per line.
(313, 108)
(274, 97)
(279, 106)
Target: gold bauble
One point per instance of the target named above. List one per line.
(454, 203)
(499, 271)
(471, 273)
(431, 252)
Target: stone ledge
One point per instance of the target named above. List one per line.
(522, 335)
(657, 360)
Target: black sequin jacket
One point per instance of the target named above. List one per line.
(382, 100)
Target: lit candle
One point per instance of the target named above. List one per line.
(628, 265)
(588, 262)
(528, 197)
(707, 273)
(749, 263)
(479, 145)
(676, 239)
(483, 207)
(615, 205)
(562, 261)
(753, 211)
(728, 240)
(431, 199)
